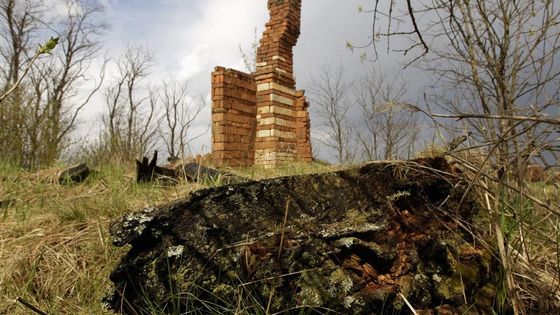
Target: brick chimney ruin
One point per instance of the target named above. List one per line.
(260, 118)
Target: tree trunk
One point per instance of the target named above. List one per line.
(354, 241)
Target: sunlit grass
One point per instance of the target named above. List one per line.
(56, 252)
(55, 248)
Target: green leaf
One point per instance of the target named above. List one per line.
(49, 46)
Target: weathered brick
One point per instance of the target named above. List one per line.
(261, 118)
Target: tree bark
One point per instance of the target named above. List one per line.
(352, 241)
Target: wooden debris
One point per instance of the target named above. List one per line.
(74, 174)
(148, 170)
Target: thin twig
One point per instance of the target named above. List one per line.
(269, 301)
(408, 304)
(416, 29)
(314, 308)
(283, 228)
(522, 193)
(499, 117)
(29, 306)
(511, 288)
(279, 253)
(18, 82)
(462, 116)
(277, 277)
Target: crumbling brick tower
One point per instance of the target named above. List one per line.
(260, 118)
(276, 95)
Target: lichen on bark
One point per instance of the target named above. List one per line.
(354, 241)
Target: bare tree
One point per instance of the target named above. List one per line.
(330, 94)
(506, 53)
(180, 111)
(497, 68)
(18, 27)
(43, 109)
(80, 45)
(131, 122)
(389, 129)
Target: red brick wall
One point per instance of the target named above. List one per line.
(303, 129)
(260, 118)
(233, 117)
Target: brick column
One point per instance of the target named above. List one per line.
(233, 117)
(276, 141)
(303, 129)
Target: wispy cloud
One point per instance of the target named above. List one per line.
(222, 27)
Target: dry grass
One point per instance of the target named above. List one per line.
(526, 216)
(55, 249)
(258, 172)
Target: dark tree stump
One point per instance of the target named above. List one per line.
(147, 171)
(353, 241)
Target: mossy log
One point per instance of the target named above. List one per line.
(360, 241)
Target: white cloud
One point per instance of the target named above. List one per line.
(189, 38)
(214, 38)
(56, 8)
(194, 62)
